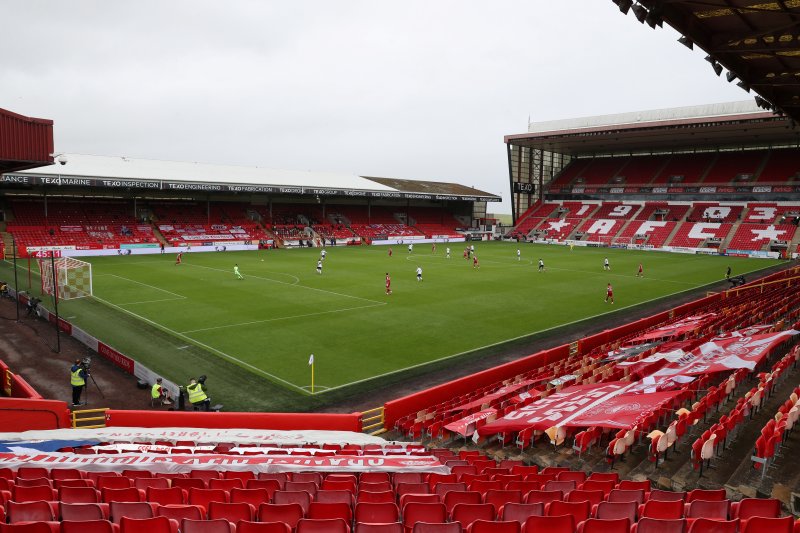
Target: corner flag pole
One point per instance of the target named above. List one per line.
(311, 363)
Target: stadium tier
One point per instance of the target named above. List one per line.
(776, 167)
(180, 223)
(754, 226)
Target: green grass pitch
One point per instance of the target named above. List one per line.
(253, 337)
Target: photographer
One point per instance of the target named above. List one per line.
(33, 302)
(198, 394)
(78, 375)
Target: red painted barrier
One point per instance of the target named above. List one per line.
(414, 402)
(23, 414)
(282, 421)
(15, 385)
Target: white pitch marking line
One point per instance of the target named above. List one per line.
(144, 284)
(183, 347)
(293, 285)
(202, 345)
(284, 318)
(154, 301)
(308, 387)
(608, 273)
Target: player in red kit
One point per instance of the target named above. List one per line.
(475, 263)
(178, 259)
(465, 253)
(641, 271)
(609, 293)
(388, 284)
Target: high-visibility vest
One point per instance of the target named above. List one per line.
(196, 393)
(155, 392)
(76, 379)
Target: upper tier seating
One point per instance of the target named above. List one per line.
(782, 166)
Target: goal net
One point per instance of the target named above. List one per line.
(73, 277)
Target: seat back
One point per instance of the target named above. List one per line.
(29, 512)
(750, 507)
(626, 495)
(521, 511)
(288, 513)
(376, 513)
(709, 525)
(86, 526)
(322, 525)
(130, 510)
(232, 512)
(262, 527)
(708, 509)
(81, 512)
(158, 524)
(761, 524)
(658, 525)
(550, 524)
(605, 525)
(179, 512)
(615, 510)
(206, 526)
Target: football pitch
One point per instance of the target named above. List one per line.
(253, 337)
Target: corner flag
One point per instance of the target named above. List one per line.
(311, 364)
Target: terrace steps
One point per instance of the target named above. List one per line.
(729, 237)
(674, 232)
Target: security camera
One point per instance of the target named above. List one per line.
(62, 159)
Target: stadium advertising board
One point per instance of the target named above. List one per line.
(166, 185)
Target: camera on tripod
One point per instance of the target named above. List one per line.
(86, 364)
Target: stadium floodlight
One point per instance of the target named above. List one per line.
(730, 76)
(640, 12)
(685, 41)
(624, 5)
(744, 86)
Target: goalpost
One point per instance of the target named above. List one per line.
(73, 277)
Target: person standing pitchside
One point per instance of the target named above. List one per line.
(388, 284)
(78, 381)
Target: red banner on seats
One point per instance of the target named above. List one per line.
(613, 405)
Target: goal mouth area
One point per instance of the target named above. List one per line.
(66, 278)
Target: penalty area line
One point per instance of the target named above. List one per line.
(285, 318)
(202, 345)
(293, 285)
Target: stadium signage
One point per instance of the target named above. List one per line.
(62, 181)
(182, 186)
(8, 178)
(129, 184)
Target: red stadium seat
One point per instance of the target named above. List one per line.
(207, 526)
(376, 513)
(667, 495)
(302, 498)
(543, 496)
(121, 495)
(88, 526)
(467, 513)
(487, 526)
(600, 525)
(34, 482)
(326, 511)
(158, 524)
(225, 484)
(592, 496)
(168, 496)
(710, 525)
(144, 483)
(111, 482)
(614, 510)
(31, 527)
(436, 527)
(32, 494)
(335, 496)
(627, 495)
(378, 497)
(254, 497)
(232, 512)
(706, 494)
(719, 510)
(288, 513)
(81, 512)
(424, 512)
(750, 507)
(521, 511)
(392, 527)
(262, 527)
(665, 510)
(451, 499)
(760, 524)
(580, 511)
(499, 498)
(78, 495)
(179, 512)
(549, 524)
(130, 509)
(40, 511)
(322, 525)
(657, 525)
(32, 472)
(203, 497)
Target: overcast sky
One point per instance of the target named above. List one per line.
(413, 89)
